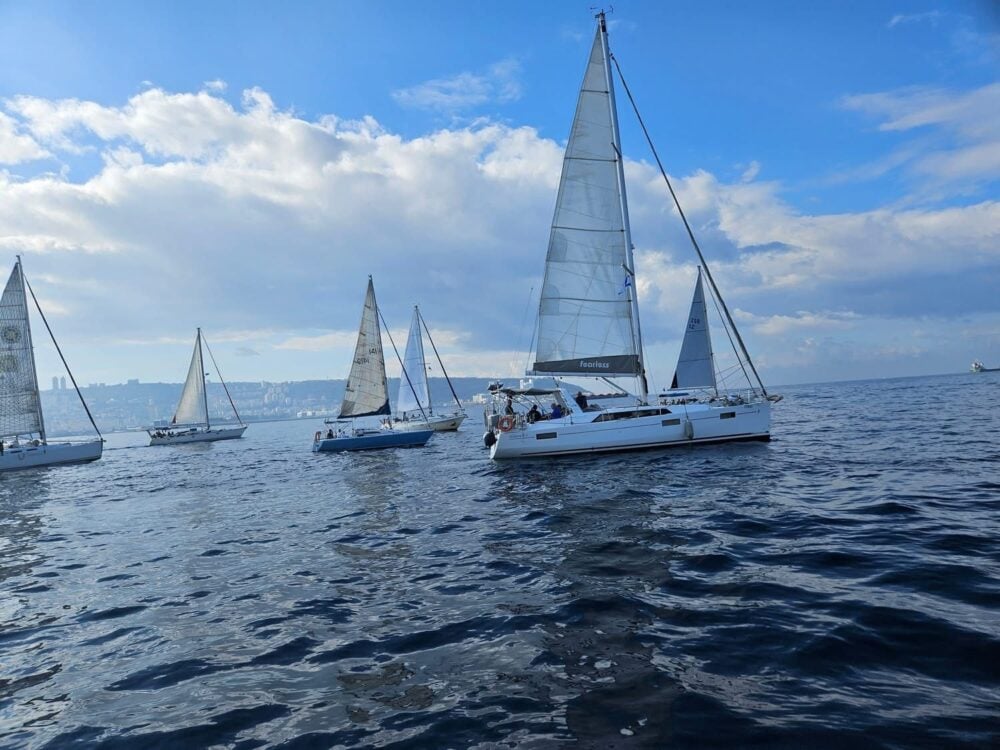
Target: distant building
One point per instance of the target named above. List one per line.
(55, 383)
(62, 383)
(133, 381)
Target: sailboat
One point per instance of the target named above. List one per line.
(23, 442)
(414, 410)
(588, 317)
(191, 423)
(978, 366)
(367, 395)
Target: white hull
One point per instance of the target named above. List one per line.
(676, 425)
(198, 435)
(447, 423)
(27, 456)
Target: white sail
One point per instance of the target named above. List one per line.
(414, 392)
(585, 316)
(367, 392)
(193, 408)
(696, 365)
(20, 408)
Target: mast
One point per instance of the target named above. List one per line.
(620, 164)
(429, 338)
(31, 349)
(204, 386)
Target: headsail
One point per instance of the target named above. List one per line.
(20, 407)
(367, 392)
(586, 314)
(696, 364)
(414, 394)
(193, 406)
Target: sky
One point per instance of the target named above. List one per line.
(243, 167)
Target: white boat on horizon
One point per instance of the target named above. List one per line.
(191, 422)
(414, 410)
(588, 319)
(978, 366)
(23, 441)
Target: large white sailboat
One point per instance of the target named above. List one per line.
(191, 422)
(414, 410)
(588, 319)
(23, 442)
(367, 395)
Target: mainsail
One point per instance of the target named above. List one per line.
(20, 407)
(193, 406)
(696, 365)
(587, 316)
(367, 392)
(414, 393)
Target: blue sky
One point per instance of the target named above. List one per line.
(244, 166)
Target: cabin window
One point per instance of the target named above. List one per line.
(545, 435)
(727, 415)
(670, 422)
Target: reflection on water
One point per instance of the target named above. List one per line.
(841, 581)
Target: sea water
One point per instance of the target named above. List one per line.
(838, 586)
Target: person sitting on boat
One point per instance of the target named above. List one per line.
(556, 411)
(533, 414)
(509, 408)
(329, 434)
(581, 400)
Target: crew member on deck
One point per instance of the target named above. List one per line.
(581, 400)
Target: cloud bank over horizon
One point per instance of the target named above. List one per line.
(140, 221)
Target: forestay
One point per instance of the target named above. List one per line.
(414, 392)
(585, 316)
(193, 408)
(696, 365)
(367, 392)
(20, 408)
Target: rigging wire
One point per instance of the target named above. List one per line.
(56, 343)
(687, 226)
(221, 379)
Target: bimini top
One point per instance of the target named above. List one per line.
(530, 391)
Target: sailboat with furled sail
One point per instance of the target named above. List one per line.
(588, 318)
(367, 395)
(23, 441)
(414, 410)
(191, 422)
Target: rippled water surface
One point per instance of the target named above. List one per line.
(839, 586)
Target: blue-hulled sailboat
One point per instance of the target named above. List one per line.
(367, 395)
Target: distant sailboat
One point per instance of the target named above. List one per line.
(191, 423)
(588, 317)
(696, 363)
(414, 410)
(367, 395)
(23, 443)
(978, 366)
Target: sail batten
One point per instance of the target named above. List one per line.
(587, 319)
(20, 407)
(367, 391)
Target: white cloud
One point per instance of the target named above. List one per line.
(902, 18)
(16, 147)
(957, 135)
(262, 227)
(499, 84)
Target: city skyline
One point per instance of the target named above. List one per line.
(246, 169)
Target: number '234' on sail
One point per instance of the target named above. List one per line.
(23, 442)
(588, 319)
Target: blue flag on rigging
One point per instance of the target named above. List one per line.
(626, 285)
